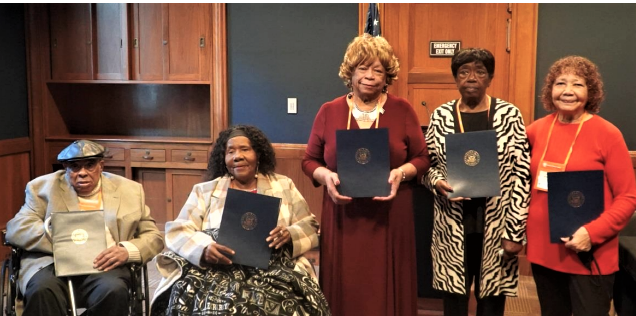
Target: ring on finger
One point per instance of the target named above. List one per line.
(280, 233)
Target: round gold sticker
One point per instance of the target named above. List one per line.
(363, 156)
(249, 221)
(471, 158)
(576, 199)
(79, 236)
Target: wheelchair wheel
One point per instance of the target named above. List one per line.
(7, 305)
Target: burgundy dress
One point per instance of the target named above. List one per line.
(367, 248)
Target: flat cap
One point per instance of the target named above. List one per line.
(81, 149)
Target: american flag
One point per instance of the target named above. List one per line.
(373, 21)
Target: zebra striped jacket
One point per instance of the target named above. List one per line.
(505, 216)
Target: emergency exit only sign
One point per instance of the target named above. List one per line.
(444, 49)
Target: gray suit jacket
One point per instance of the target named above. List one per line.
(125, 213)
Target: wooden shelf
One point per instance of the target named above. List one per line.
(131, 139)
(162, 82)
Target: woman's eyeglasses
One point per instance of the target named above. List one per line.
(479, 73)
(76, 166)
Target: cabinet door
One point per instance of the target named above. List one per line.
(179, 183)
(111, 51)
(147, 41)
(185, 32)
(154, 183)
(71, 41)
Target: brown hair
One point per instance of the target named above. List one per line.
(367, 47)
(581, 67)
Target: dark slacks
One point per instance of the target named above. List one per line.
(564, 294)
(104, 293)
(457, 304)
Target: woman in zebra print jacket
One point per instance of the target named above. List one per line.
(480, 237)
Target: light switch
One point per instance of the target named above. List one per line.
(292, 107)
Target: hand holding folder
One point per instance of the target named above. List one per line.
(363, 162)
(575, 198)
(246, 223)
(78, 238)
(472, 164)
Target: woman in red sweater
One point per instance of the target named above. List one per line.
(574, 137)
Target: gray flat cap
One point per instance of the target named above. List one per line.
(81, 149)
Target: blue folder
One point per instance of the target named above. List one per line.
(575, 198)
(246, 222)
(363, 162)
(472, 164)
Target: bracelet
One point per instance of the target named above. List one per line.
(403, 174)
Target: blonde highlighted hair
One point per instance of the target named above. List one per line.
(365, 48)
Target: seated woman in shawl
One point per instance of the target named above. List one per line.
(198, 276)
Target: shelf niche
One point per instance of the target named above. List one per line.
(143, 110)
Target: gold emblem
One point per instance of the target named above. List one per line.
(363, 156)
(576, 199)
(249, 221)
(79, 236)
(471, 158)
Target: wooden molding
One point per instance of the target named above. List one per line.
(218, 89)
(523, 58)
(15, 146)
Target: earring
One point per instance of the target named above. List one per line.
(385, 89)
(256, 174)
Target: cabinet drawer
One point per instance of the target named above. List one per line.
(113, 153)
(189, 156)
(148, 155)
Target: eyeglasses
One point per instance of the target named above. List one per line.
(77, 166)
(479, 73)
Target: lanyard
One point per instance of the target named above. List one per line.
(567, 158)
(459, 114)
(377, 119)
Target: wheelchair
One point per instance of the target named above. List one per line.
(10, 293)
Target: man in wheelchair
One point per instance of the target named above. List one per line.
(131, 233)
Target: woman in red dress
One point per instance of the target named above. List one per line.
(367, 248)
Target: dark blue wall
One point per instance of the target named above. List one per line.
(604, 33)
(14, 113)
(277, 51)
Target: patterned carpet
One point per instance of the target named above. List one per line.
(526, 304)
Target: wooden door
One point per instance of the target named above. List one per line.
(178, 188)
(111, 39)
(498, 27)
(186, 34)
(147, 43)
(71, 41)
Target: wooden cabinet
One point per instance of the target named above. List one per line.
(171, 41)
(89, 41)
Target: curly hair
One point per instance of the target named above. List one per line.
(365, 48)
(259, 142)
(579, 66)
(469, 55)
